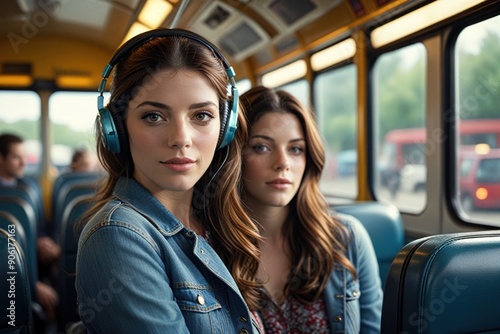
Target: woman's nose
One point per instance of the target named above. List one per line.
(282, 161)
(179, 134)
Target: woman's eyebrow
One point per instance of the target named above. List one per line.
(262, 137)
(271, 139)
(203, 105)
(164, 106)
(154, 104)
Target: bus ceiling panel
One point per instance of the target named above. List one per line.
(236, 34)
(244, 28)
(102, 22)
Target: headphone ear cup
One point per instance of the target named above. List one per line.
(112, 132)
(224, 114)
(229, 119)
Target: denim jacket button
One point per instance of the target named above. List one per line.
(355, 293)
(337, 318)
(244, 331)
(200, 300)
(242, 319)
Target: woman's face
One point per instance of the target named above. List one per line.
(274, 159)
(173, 125)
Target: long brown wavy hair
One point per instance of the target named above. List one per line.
(317, 240)
(216, 199)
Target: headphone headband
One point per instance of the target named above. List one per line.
(140, 39)
(228, 122)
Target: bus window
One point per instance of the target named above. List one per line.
(335, 103)
(72, 115)
(478, 118)
(243, 85)
(399, 105)
(299, 89)
(20, 115)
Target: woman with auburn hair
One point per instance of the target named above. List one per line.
(167, 246)
(318, 268)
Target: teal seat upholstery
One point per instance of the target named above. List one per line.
(67, 307)
(15, 300)
(445, 284)
(385, 227)
(25, 214)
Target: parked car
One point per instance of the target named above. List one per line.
(479, 180)
(413, 177)
(347, 163)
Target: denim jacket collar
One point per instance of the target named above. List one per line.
(130, 191)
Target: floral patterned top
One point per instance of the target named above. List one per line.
(294, 317)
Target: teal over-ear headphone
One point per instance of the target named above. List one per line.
(114, 133)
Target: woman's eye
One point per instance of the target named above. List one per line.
(152, 117)
(260, 148)
(297, 150)
(204, 116)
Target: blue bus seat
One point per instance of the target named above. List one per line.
(30, 195)
(62, 193)
(31, 183)
(384, 224)
(7, 219)
(17, 317)
(445, 284)
(62, 179)
(25, 214)
(67, 307)
(68, 192)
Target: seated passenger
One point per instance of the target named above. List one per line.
(83, 160)
(319, 270)
(167, 229)
(12, 159)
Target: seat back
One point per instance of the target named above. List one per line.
(67, 307)
(445, 284)
(15, 302)
(67, 194)
(30, 195)
(384, 224)
(7, 219)
(66, 187)
(25, 214)
(64, 178)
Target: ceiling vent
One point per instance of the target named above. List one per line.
(289, 16)
(235, 34)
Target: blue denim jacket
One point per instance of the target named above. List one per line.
(139, 270)
(355, 306)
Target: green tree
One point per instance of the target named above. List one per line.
(478, 81)
(336, 106)
(399, 89)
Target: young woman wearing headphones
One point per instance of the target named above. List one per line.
(167, 246)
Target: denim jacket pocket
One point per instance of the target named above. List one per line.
(201, 310)
(196, 299)
(352, 308)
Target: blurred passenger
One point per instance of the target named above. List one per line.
(12, 166)
(318, 268)
(12, 159)
(83, 160)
